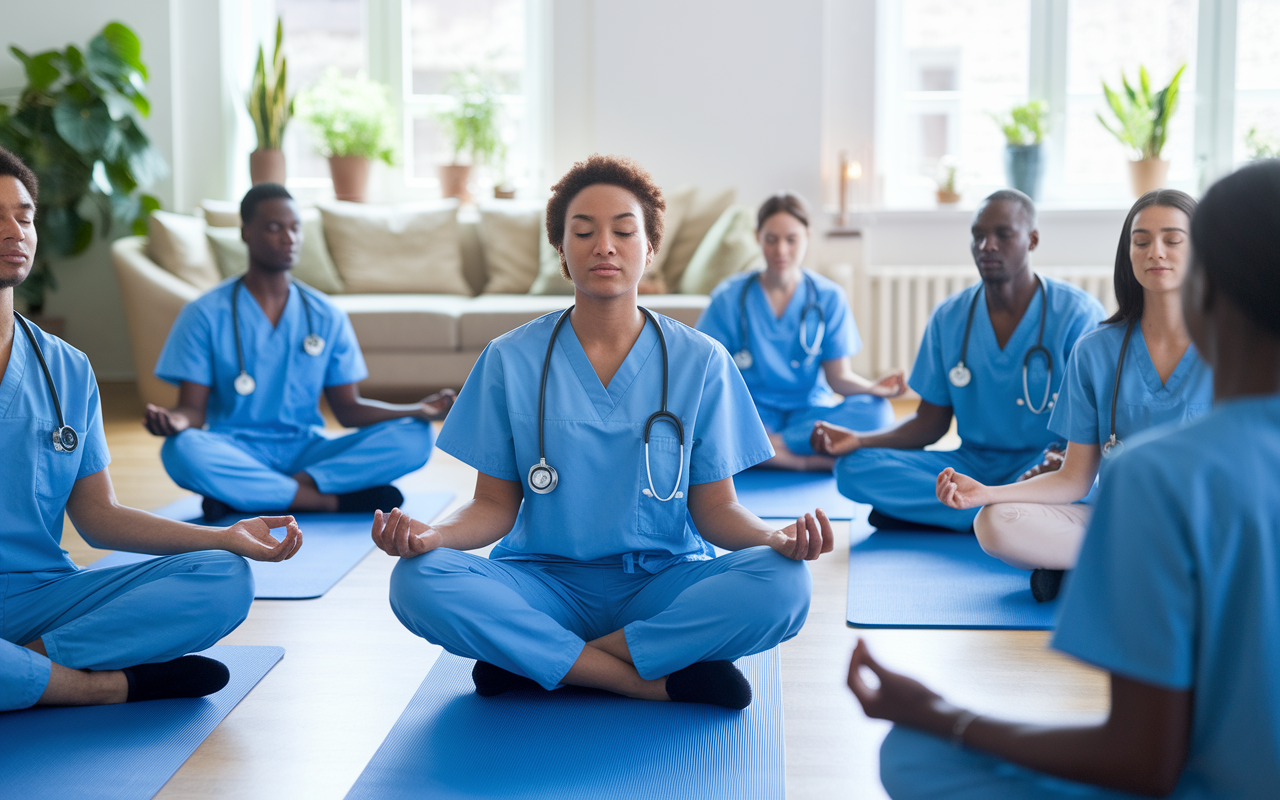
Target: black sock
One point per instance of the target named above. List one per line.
(214, 509)
(491, 680)
(1045, 584)
(717, 683)
(189, 676)
(882, 521)
(374, 498)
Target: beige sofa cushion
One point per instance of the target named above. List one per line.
(314, 266)
(697, 222)
(489, 316)
(678, 204)
(728, 248)
(395, 249)
(177, 242)
(550, 281)
(404, 322)
(509, 235)
(221, 213)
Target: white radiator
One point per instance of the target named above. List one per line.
(901, 299)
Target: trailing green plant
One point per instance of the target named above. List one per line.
(269, 105)
(75, 124)
(1024, 124)
(350, 117)
(948, 173)
(1142, 115)
(1261, 145)
(471, 124)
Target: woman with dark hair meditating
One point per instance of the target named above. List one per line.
(599, 433)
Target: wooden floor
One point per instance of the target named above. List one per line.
(314, 722)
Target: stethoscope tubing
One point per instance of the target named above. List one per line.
(235, 329)
(811, 350)
(65, 439)
(1113, 446)
(1037, 348)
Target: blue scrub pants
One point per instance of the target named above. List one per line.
(903, 483)
(859, 412)
(534, 617)
(917, 766)
(116, 617)
(253, 473)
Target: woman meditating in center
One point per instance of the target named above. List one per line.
(603, 435)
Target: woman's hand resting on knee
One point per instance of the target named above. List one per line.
(252, 539)
(807, 539)
(961, 491)
(398, 534)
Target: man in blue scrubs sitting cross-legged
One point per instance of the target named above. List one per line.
(992, 356)
(87, 637)
(251, 358)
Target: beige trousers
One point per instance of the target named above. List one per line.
(1033, 535)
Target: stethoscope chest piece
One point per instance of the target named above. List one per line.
(1112, 447)
(543, 477)
(65, 439)
(960, 375)
(245, 384)
(313, 345)
(743, 359)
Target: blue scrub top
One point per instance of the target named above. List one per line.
(987, 411)
(594, 439)
(1178, 585)
(37, 479)
(775, 341)
(201, 348)
(1083, 410)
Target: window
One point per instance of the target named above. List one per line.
(1257, 73)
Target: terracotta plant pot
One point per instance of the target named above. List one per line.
(350, 177)
(1148, 175)
(948, 197)
(266, 166)
(504, 193)
(453, 181)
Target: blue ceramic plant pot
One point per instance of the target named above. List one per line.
(1024, 168)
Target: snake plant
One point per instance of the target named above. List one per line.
(269, 105)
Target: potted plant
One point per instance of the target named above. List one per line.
(471, 125)
(353, 122)
(503, 189)
(75, 124)
(1024, 131)
(948, 168)
(271, 109)
(1261, 146)
(1143, 124)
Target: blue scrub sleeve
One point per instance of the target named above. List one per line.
(842, 337)
(478, 428)
(728, 435)
(1075, 415)
(720, 318)
(1130, 604)
(93, 439)
(929, 374)
(188, 351)
(346, 362)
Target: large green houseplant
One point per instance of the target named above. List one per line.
(75, 124)
(1024, 128)
(353, 122)
(1142, 125)
(271, 108)
(471, 126)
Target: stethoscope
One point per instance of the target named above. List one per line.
(1113, 446)
(312, 345)
(960, 375)
(65, 439)
(543, 477)
(743, 357)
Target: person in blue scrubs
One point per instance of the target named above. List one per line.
(992, 356)
(251, 358)
(791, 334)
(84, 637)
(606, 576)
(1175, 590)
(1038, 524)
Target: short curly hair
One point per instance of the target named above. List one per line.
(618, 171)
(13, 167)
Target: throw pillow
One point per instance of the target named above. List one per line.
(678, 205)
(728, 248)
(509, 236)
(702, 214)
(549, 280)
(177, 243)
(395, 249)
(221, 213)
(314, 266)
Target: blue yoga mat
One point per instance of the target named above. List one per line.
(332, 544)
(938, 580)
(781, 494)
(126, 751)
(451, 743)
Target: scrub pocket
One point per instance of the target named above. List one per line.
(654, 518)
(55, 471)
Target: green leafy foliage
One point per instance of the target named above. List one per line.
(1141, 116)
(471, 124)
(1261, 145)
(1024, 124)
(350, 117)
(75, 124)
(270, 107)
